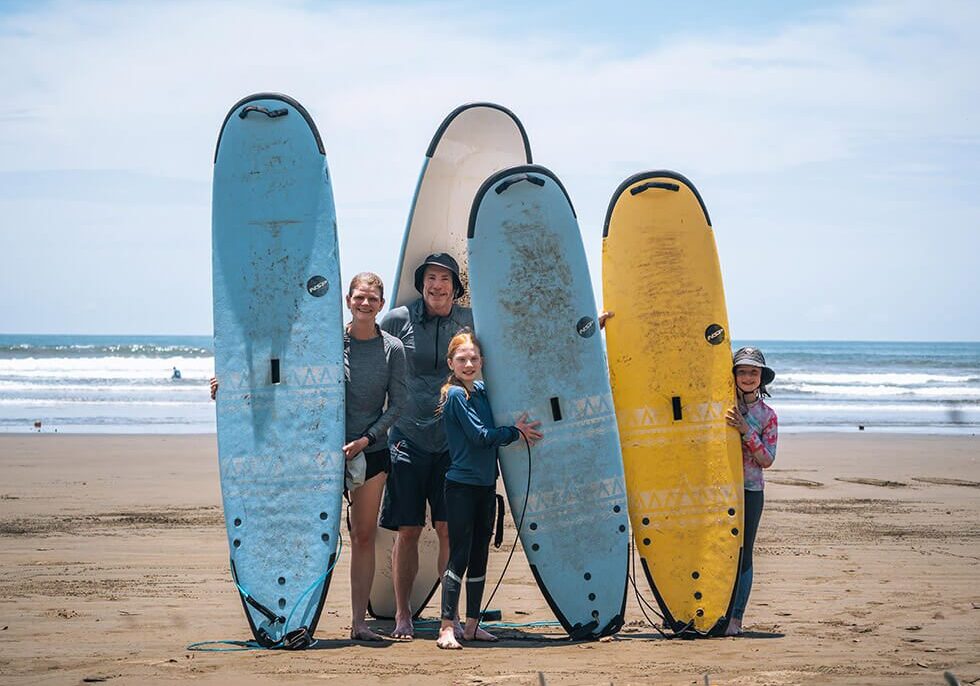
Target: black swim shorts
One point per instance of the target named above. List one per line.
(377, 462)
(416, 477)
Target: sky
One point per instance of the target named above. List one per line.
(836, 144)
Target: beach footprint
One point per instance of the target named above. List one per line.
(942, 481)
(883, 483)
(795, 481)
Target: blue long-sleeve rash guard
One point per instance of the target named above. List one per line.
(473, 438)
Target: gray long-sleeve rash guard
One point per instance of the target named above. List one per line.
(426, 340)
(375, 371)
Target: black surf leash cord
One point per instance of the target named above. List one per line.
(645, 604)
(640, 600)
(284, 640)
(520, 526)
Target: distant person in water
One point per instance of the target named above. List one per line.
(419, 451)
(756, 422)
(176, 375)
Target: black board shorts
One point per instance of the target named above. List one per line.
(377, 462)
(416, 477)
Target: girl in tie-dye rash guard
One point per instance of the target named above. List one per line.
(756, 422)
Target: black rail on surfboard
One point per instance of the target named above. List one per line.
(470, 105)
(502, 174)
(642, 176)
(271, 96)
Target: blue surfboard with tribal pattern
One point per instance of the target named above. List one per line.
(535, 316)
(278, 348)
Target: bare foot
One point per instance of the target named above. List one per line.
(457, 629)
(447, 639)
(480, 635)
(404, 629)
(734, 627)
(364, 633)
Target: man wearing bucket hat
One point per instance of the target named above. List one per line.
(756, 422)
(419, 451)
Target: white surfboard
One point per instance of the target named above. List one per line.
(472, 143)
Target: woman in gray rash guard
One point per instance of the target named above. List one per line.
(374, 372)
(374, 368)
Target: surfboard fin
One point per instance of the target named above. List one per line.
(297, 639)
(581, 632)
(613, 626)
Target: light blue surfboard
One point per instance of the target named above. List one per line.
(278, 353)
(535, 315)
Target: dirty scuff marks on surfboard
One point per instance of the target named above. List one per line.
(531, 293)
(671, 371)
(279, 360)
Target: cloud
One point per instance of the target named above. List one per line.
(106, 82)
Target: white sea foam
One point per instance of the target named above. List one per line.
(939, 393)
(123, 368)
(103, 403)
(874, 379)
(860, 407)
(197, 387)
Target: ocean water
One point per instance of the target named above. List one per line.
(123, 384)
(106, 384)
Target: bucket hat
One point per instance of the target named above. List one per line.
(753, 357)
(446, 261)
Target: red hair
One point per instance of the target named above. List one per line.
(464, 337)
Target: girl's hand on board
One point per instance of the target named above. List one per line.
(214, 387)
(603, 316)
(356, 446)
(734, 418)
(529, 429)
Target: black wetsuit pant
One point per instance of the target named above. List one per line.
(469, 511)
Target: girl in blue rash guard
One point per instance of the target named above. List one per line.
(470, 485)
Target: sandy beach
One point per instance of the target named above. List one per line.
(113, 559)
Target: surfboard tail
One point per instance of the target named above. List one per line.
(687, 627)
(582, 629)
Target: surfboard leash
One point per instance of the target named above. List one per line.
(517, 536)
(643, 603)
(297, 639)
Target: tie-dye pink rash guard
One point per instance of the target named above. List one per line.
(761, 436)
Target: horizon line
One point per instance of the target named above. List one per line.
(738, 338)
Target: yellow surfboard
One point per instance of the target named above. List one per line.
(670, 363)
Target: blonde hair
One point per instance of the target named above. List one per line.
(464, 337)
(369, 279)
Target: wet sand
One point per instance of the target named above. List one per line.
(113, 558)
